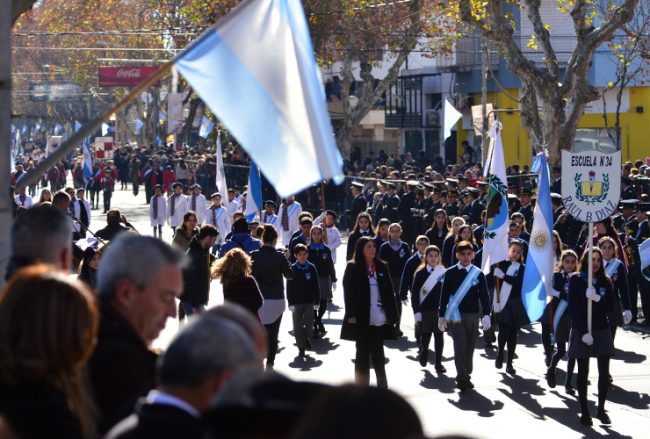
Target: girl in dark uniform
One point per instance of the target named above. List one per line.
(363, 227)
(615, 269)
(439, 229)
(508, 305)
(556, 321)
(598, 343)
(425, 299)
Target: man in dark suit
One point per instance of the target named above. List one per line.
(473, 206)
(196, 365)
(392, 202)
(406, 203)
(525, 196)
(556, 180)
(627, 191)
(359, 203)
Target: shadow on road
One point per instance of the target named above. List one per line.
(628, 398)
(402, 344)
(305, 364)
(440, 382)
(629, 356)
(473, 401)
(323, 346)
(523, 392)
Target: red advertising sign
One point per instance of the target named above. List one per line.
(124, 76)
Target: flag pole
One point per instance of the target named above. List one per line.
(590, 275)
(35, 174)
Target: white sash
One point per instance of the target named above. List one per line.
(434, 277)
(506, 288)
(452, 313)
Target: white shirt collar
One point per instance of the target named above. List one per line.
(460, 267)
(157, 397)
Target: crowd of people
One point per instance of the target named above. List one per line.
(415, 240)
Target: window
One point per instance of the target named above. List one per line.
(589, 139)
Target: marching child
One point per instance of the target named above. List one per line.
(320, 256)
(157, 211)
(395, 253)
(303, 295)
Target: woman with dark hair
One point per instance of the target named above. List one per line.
(235, 269)
(597, 343)
(270, 266)
(363, 227)
(370, 310)
(88, 267)
(439, 229)
(464, 233)
(615, 269)
(45, 342)
(46, 197)
(606, 228)
(449, 242)
(186, 231)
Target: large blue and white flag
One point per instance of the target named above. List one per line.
(538, 275)
(88, 161)
(254, 195)
(138, 127)
(256, 71)
(77, 126)
(206, 127)
(497, 221)
(644, 253)
(450, 118)
(221, 174)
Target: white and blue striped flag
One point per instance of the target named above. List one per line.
(644, 254)
(256, 71)
(206, 127)
(88, 161)
(254, 195)
(538, 275)
(221, 174)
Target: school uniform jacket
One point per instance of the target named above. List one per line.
(293, 212)
(432, 301)
(352, 242)
(407, 275)
(621, 286)
(161, 218)
(396, 259)
(477, 294)
(198, 204)
(218, 217)
(578, 304)
(180, 207)
(322, 259)
(304, 288)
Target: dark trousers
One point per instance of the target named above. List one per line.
(603, 382)
(464, 335)
(644, 292)
(423, 340)
(157, 231)
(507, 336)
(370, 343)
(633, 291)
(272, 331)
(107, 200)
(396, 281)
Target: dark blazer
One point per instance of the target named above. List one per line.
(578, 304)
(352, 242)
(406, 280)
(304, 288)
(432, 301)
(269, 267)
(436, 240)
(359, 204)
(356, 294)
(157, 421)
(121, 368)
(477, 294)
(196, 274)
(36, 410)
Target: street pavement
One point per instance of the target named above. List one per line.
(500, 406)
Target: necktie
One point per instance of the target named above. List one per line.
(83, 213)
(22, 200)
(173, 204)
(263, 217)
(194, 203)
(214, 215)
(285, 218)
(155, 207)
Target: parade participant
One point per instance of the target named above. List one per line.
(627, 191)
(425, 299)
(95, 185)
(382, 233)
(526, 208)
(598, 343)
(390, 202)
(464, 234)
(184, 233)
(439, 229)
(289, 212)
(44, 354)
(363, 227)
(556, 322)
(80, 208)
(76, 225)
(521, 221)
(514, 232)
(157, 211)
(88, 267)
(176, 206)
(450, 240)
(22, 199)
(269, 267)
(508, 306)
(615, 269)
(217, 215)
(412, 264)
(634, 242)
(332, 236)
(196, 273)
(138, 282)
(605, 228)
(301, 238)
(196, 203)
(473, 206)
(451, 206)
(303, 296)
(321, 257)
(406, 203)
(464, 293)
(268, 216)
(134, 174)
(546, 319)
(235, 269)
(233, 204)
(370, 310)
(108, 186)
(359, 203)
(240, 238)
(200, 360)
(395, 253)
(46, 197)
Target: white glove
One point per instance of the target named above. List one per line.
(487, 322)
(588, 339)
(591, 294)
(442, 324)
(554, 292)
(316, 306)
(333, 286)
(418, 317)
(499, 273)
(627, 317)
(292, 308)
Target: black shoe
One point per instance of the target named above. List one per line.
(498, 363)
(603, 417)
(550, 378)
(423, 357)
(315, 334)
(547, 359)
(585, 420)
(511, 370)
(308, 344)
(569, 389)
(440, 368)
(321, 328)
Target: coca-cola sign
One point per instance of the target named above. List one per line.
(124, 76)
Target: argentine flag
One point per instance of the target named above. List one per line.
(88, 161)
(538, 275)
(497, 221)
(206, 127)
(256, 71)
(254, 195)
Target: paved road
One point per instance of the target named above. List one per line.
(501, 405)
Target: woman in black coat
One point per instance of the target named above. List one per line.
(370, 310)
